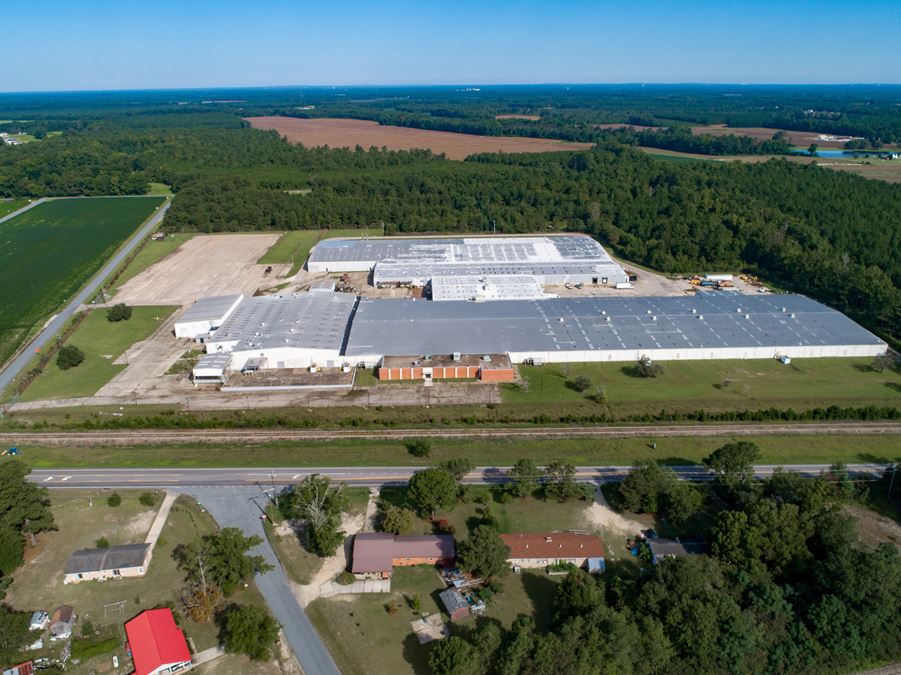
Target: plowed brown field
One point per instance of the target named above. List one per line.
(798, 138)
(348, 133)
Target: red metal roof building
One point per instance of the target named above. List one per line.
(376, 553)
(157, 644)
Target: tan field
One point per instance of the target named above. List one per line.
(218, 264)
(348, 133)
(798, 138)
(637, 127)
(512, 116)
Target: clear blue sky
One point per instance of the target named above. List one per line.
(127, 44)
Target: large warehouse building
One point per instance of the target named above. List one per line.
(548, 260)
(330, 329)
(706, 326)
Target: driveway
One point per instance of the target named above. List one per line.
(241, 507)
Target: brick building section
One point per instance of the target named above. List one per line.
(494, 368)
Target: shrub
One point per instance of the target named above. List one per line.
(419, 447)
(114, 499)
(648, 368)
(69, 356)
(581, 383)
(103, 542)
(147, 499)
(345, 579)
(118, 312)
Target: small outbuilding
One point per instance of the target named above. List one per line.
(39, 620)
(114, 562)
(454, 603)
(157, 644)
(674, 548)
(62, 621)
(210, 369)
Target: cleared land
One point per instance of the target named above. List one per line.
(292, 248)
(348, 133)
(498, 451)
(83, 517)
(799, 138)
(152, 253)
(7, 206)
(204, 265)
(714, 385)
(50, 251)
(513, 116)
(103, 343)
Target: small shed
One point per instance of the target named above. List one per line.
(454, 603)
(210, 368)
(674, 548)
(62, 621)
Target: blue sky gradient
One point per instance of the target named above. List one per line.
(125, 44)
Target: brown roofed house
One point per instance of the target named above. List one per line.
(375, 554)
(540, 549)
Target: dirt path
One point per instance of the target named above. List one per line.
(331, 567)
(599, 514)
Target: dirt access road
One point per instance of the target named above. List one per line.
(349, 133)
(126, 438)
(216, 264)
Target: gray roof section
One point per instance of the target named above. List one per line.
(115, 557)
(215, 360)
(208, 309)
(306, 321)
(453, 600)
(719, 319)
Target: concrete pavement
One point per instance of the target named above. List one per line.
(173, 478)
(242, 507)
(20, 361)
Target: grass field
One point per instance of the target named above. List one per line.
(159, 189)
(102, 342)
(713, 385)
(51, 250)
(7, 206)
(152, 253)
(82, 517)
(484, 452)
(294, 247)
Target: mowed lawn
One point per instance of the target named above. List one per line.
(102, 342)
(7, 206)
(82, 517)
(295, 246)
(714, 385)
(50, 251)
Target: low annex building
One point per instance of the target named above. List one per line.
(157, 644)
(540, 549)
(376, 554)
(100, 564)
(488, 367)
(206, 315)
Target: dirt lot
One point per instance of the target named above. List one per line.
(637, 127)
(205, 265)
(348, 133)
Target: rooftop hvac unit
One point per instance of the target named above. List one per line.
(455, 356)
(701, 317)
(694, 311)
(792, 315)
(487, 358)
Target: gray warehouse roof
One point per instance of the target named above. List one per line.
(307, 320)
(207, 309)
(115, 557)
(399, 327)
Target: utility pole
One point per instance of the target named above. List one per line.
(892, 481)
(274, 493)
(494, 226)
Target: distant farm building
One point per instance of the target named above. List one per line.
(540, 549)
(114, 562)
(376, 554)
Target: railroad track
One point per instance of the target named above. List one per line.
(258, 436)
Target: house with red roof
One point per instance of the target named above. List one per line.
(540, 549)
(157, 644)
(376, 554)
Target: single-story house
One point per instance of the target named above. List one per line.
(673, 548)
(376, 554)
(114, 562)
(540, 549)
(62, 621)
(157, 644)
(454, 603)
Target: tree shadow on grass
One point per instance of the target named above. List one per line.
(417, 655)
(540, 589)
(678, 461)
(394, 496)
(631, 371)
(870, 458)
(894, 386)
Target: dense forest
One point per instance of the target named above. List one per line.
(831, 235)
(787, 588)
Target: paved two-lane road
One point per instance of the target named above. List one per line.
(21, 360)
(371, 476)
